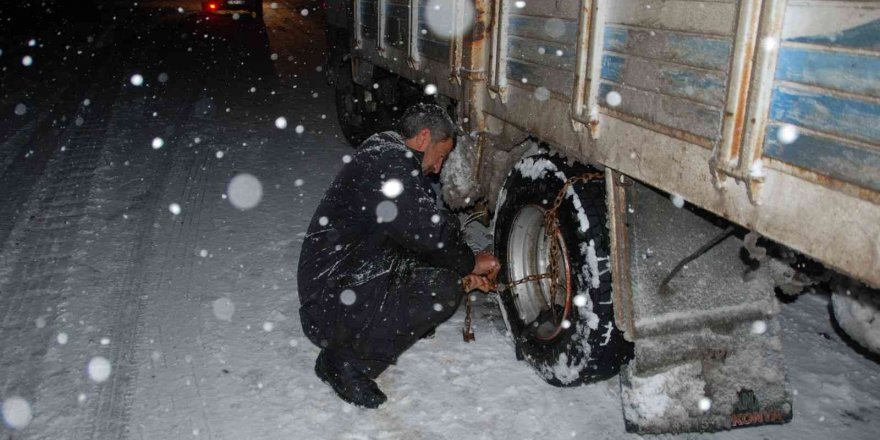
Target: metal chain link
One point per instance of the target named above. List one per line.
(551, 229)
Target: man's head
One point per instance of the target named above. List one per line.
(429, 129)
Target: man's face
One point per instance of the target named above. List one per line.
(435, 154)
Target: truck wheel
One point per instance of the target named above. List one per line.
(857, 311)
(575, 340)
(352, 111)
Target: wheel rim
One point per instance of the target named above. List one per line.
(528, 254)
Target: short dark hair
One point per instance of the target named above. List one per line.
(430, 116)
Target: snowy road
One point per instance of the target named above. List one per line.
(123, 241)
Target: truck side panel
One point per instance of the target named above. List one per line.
(825, 107)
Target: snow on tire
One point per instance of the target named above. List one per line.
(858, 313)
(575, 341)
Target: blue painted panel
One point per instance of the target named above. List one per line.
(612, 68)
(826, 156)
(841, 71)
(690, 50)
(866, 36)
(668, 79)
(615, 38)
(706, 87)
(846, 117)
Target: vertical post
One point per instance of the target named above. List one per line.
(578, 93)
(414, 60)
(498, 78)
(358, 26)
(745, 41)
(594, 64)
(381, 14)
(760, 94)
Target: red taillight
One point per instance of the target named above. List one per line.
(212, 6)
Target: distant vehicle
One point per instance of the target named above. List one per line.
(255, 6)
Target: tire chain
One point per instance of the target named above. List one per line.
(551, 229)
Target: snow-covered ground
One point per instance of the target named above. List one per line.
(141, 256)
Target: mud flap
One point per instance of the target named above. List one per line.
(708, 353)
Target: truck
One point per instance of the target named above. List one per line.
(656, 173)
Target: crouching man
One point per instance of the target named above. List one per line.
(381, 265)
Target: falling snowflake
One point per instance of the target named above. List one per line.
(223, 309)
(520, 4)
(787, 134)
(386, 211)
(304, 12)
(20, 109)
(613, 98)
(430, 89)
(99, 369)
(580, 300)
(677, 200)
(300, 129)
(542, 93)
(62, 338)
(323, 221)
(137, 80)
(158, 143)
(27, 60)
(281, 122)
(245, 191)
(435, 219)
(174, 208)
(348, 297)
(268, 326)
(705, 404)
(163, 77)
(759, 327)
(392, 188)
(17, 413)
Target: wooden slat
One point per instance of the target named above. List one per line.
(665, 110)
(847, 117)
(543, 53)
(555, 80)
(704, 17)
(556, 30)
(842, 24)
(690, 50)
(830, 157)
(848, 72)
(434, 50)
(707, 87)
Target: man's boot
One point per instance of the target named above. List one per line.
(349, 383)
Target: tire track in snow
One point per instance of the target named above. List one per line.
(41, 244)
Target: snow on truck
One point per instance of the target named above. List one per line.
(759, 119)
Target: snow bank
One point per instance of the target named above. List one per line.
(858, 313)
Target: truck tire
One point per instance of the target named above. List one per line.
(356, 122)
(588, 347)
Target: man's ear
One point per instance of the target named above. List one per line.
(424, 137)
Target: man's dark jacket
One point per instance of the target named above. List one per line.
(358, 254)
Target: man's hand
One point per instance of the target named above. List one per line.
(486, 264)
(477, 282)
